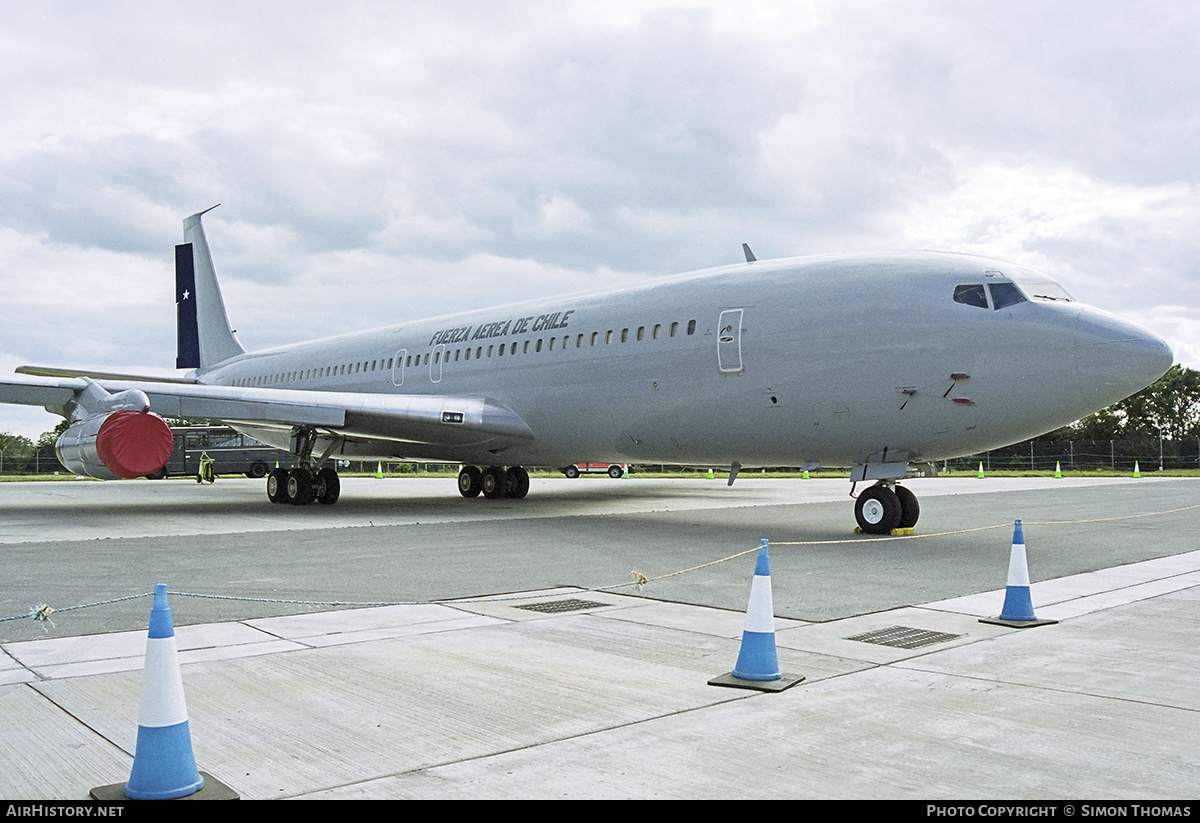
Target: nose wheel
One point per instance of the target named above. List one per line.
(881, 509)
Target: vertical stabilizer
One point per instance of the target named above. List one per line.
(204, 335)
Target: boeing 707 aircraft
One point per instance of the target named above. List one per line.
(882, 361)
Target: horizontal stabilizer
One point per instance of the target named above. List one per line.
(51, 371)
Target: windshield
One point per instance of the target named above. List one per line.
(1039, 286)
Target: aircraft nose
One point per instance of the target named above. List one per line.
(1115, 357)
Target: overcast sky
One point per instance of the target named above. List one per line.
(384, 161)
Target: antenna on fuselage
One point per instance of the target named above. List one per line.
(750, 258)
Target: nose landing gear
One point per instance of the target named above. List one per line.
(885, 507)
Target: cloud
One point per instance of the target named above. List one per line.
(380, 161)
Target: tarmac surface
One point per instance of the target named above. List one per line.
(438, 684)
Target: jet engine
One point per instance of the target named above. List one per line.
(113, 435)
(125, 444)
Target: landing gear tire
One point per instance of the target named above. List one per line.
(329, 486)
(301, 487)
(518, 483)
(470, 481)
(277, 486)
(878, 510)
(495, 483)
(910, 509)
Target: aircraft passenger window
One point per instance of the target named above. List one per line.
(552, 339)
(490, 350)
(971, 295)
(538, 347)
(579, 342)
(624, 335)
(478, 352)
(641, 332)
(1005, 295)
(691, 327)
(608, 336)
(595, 337)
(657, 330)
(525, 348)
(674, 329)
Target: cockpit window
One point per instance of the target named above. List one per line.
(1039, 286)
(971, 295)
(1005, 295)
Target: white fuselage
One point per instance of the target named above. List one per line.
(838, 360)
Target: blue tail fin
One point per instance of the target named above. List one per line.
(204, 335)
(187, 354)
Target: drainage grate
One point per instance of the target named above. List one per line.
(557, 606)
(902, 637)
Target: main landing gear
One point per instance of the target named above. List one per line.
(495, 482)
(305, 483)
(301, 486)
(886, 506)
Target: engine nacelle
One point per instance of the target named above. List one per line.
(123, 444)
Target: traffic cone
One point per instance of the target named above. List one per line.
(163, 764)
(378, 471)
(1136, 472)
(1018, 604)
(1057, 468)
(980, 469)
(757, 663)
(804, 476)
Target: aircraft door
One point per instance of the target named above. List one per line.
(729, 342)
(398, 369)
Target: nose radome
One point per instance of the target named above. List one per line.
(1115, 357)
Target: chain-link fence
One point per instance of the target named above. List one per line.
(40, 462)
(1147, 452)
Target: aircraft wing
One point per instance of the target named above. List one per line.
(443, 419)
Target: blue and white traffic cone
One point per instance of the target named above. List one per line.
(163, 764)
(757, 659)
(1018, 602)
(757, 664)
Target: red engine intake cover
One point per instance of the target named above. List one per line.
(133, 443)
